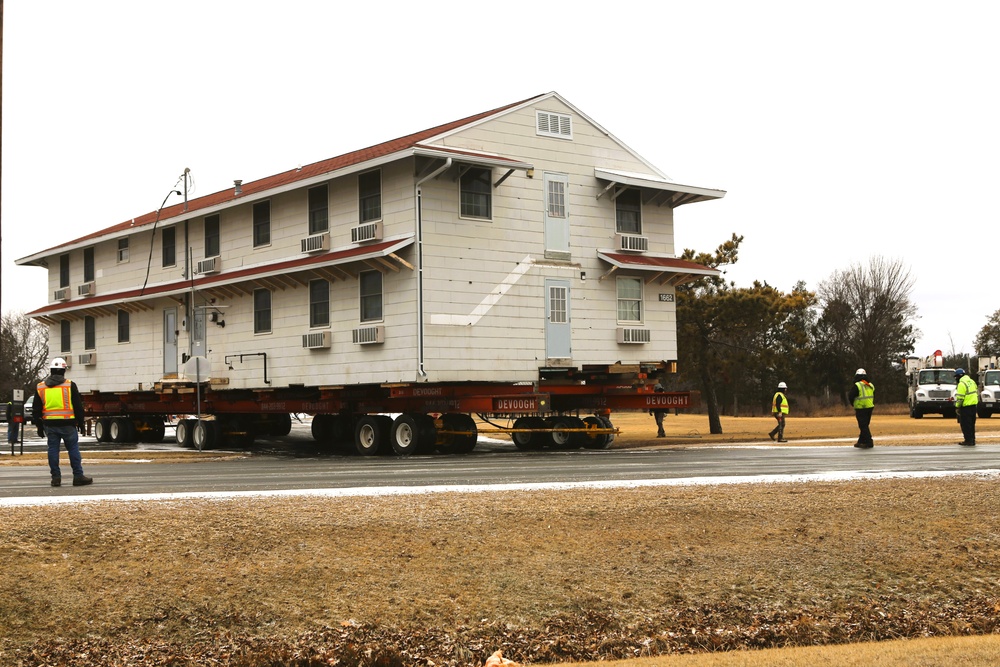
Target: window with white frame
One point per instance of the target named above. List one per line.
(123, 326)
(476, 193)
(261, 224)
(319, 209)
(629, 299)
(89, 333)
(370, 196)
(65, 340)
(628, 212)
(556, 198)
(212, 240)
(123, 250)
(319, 303)
(261, 311)
(370, 292)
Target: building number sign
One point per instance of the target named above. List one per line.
(667, 297)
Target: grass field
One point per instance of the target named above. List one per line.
(848, 572)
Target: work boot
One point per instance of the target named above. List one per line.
(967, 444)
(661, 434)
(782, 440)
(57, 481)
(864, 445)
(82, 480)
(771, 435)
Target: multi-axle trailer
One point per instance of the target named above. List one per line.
(425, 417)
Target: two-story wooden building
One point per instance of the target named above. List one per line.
(523, 238)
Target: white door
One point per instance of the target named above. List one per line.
(557, 216)
(557, 327)
(169, 342)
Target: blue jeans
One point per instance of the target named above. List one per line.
(13, 429)
(68, 435)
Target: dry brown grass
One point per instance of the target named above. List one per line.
(546, 576)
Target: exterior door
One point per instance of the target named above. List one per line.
(557, 327)
(557, 216)
(169, 342)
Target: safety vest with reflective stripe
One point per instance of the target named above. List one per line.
(966, 393)
(57, 401)
(866, 395)
(774, 403)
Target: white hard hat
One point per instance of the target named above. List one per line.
(861, 371)
(59, 363)
(782, 385)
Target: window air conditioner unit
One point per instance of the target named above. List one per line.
(210, 265)
(631, 243)
(88, 359)
(628, 335)
(316, 243)
(317, 340)
(370, 231)
(369, 335)
(86, 289)
(61, 294)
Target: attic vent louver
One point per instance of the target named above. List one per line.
(554, 124)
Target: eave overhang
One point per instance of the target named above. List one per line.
(658, 269)
(337, 264)
(655, 190)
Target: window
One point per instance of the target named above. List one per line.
(261, 224)
(63, 270)
(629, 300)
(319, 210)
(88, 264)
(371, 296)
(556, 198)
(262, 311)
(123, 250)
(212, 236)
(476, 193)
(628, 219)
(550, 124)
(370, 196)
(319, 303)
(123, 326)
(89, 333)
(65, 342)
(169, 254)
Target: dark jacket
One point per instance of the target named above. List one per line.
(54, 380)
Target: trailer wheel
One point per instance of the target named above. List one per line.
(280, 425)
(528, 441)
(371, 435)
(597, 440)
(152, 430)
(205, 434)
(322, 429)
(102, 429)
(184, 432)
(239, 432)
(122, 430)
(458, 443)
(562, 438)
(412, 434)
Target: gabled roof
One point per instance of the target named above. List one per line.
(206, 204)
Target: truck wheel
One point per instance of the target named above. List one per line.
(371, 435)
(597, 440)
(915, 412)
(280, 425)
(528, 441)
(205, 434)
(239, 432)
(412, 434)
(122, 430)
(458, 443)
(153, 430)
(102, 429)
(322, 429)
(184, 431)
(562, 437)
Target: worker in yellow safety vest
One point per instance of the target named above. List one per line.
(58, 412)
(779, 410)
(966, 405)
(862, 396)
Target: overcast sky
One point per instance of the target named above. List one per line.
(840, 131)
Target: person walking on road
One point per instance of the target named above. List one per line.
(779, 410)
(13, 427)
(966, 405)
(58, 409)
(658, 414)
(862, 395)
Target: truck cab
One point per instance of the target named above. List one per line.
(989, 386)
(930, 388)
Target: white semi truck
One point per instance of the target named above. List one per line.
(930, 387)
(989, 385)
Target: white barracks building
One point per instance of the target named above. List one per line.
(523, 238)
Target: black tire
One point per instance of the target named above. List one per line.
(152, 430)
(915, 412)
(205, 434)
(412, 434)
(597, 440)
(185, 429)
(371, 435)
(122, 430)
(322, 429)
(458, 443)
(562, 437)
(528, 441)
(279, 425)
(102, 429)
(239, 432)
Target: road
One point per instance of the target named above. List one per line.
(275, 469)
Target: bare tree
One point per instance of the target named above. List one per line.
(24, 346)
(867, 314)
